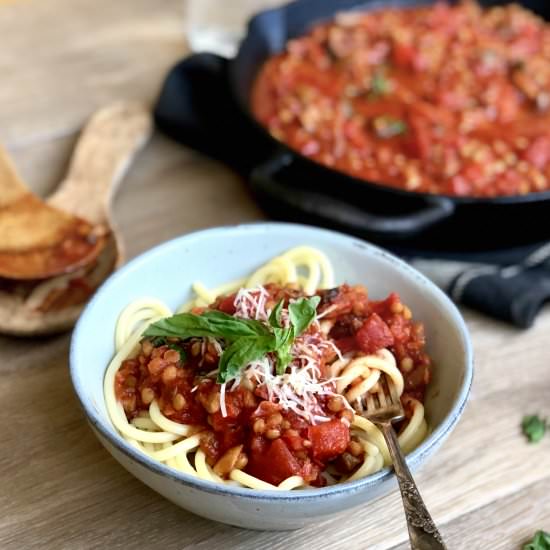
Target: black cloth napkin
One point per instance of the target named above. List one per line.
(510, 285)
(195, 108)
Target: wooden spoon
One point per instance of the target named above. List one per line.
(37, 240)
(105, 150)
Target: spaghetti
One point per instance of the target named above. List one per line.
(260, 382)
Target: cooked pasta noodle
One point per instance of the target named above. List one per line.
(355, 375)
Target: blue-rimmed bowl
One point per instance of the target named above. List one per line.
(223, 254)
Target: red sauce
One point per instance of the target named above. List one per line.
(442, 99)
(275, 443)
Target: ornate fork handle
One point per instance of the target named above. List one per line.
(423, 533)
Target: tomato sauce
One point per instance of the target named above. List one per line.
(442, 99)
(271, 442)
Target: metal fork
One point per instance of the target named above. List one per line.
(383, 408)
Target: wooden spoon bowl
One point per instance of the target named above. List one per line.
(105, 150)
(37, 240)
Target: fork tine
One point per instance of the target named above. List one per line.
(383, 404)
(371, 406)
(392, 391)
(382, 394)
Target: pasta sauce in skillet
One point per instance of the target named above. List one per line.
(441, 99)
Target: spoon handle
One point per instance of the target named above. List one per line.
(423, 533)
(104, 151)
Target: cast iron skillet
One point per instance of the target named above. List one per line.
(205, 104)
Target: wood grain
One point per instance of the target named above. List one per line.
(487, 487)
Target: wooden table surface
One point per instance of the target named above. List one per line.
(59, 489)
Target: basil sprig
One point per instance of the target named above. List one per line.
(215, 324)
(247, 340)
(302, 313)
(541, 541)
(242, 352)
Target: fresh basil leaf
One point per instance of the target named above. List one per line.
(541, 541)
(283, 344)
(302, 313)
(235, 326)
(210, 323)
(275, 317)
(283, 336)
(241, 352)
(533, 428)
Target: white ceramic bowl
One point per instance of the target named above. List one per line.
(226, 253)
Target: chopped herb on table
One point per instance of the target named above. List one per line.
(541, 541)
(533, 428)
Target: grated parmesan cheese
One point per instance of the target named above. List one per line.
(299, 388)
(250, 303)
(222, 400)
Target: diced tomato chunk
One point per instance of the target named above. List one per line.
(384, 307)
(419, 142)
(274, 465)
(473, 172)
(346, 344)
(403, 54)
(216, 443)
(356, 134)
(459, 186)
(538, 153)
(328, 439)
(374, 334)
(507, 103)
(227, 305)
(294, 442)
(258, 445)
(400, 329)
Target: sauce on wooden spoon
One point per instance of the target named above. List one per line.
(104, 152)
(37, 240)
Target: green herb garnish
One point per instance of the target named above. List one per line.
(283, 342)
(302, 313)
(158, 341)
(387, 127)
(379, 85)
(275, 317)
(215, 324)
(533, 428)
(246, 339)
(541, 541)
(241, 352)
(179, 349)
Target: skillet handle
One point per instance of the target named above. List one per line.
(279, 198)
(196, 108)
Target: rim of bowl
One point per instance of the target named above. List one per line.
(117, 441)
